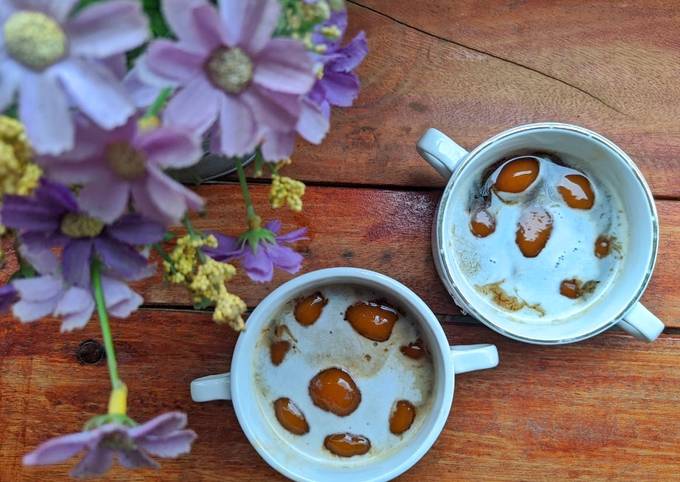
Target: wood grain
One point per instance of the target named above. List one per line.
(561, 58)
(598, 410)
(387, 231)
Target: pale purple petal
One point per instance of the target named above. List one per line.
(285, 66)
(258, 266)
(136, 459)
(96, 462)
(120, 258)
(274, 226)
(208, 25)
(351, 55)
(44, 260)
(76, 261)
(238, 128)
(169, 446)
(275, 110)
(312, 124)
(116, 63)
(136, 230)
(170, 197)
(40, 288)
(8, 296)
(55, 196)
(96, 91)
(106, 204)
(76, 307)
(9, 81)
(194, 107)
(168, 147)
(228, 248)
(81, 172)
(44, 110)
(25, 214)
(121, 301)
(278, 146)
(28, 311)
(62, 448)
(141, 93)
(144, 204)
(88, 143)
(284, 257)
(341, 88)
(181, 17)
(173, 61)
(249, 24)
(293, 236)
(107, 28)
(160, 426)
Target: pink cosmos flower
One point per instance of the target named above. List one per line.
(56, 61)
(231, 73)
(128, 162)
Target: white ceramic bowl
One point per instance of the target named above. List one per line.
(239, 386)
(605, 161)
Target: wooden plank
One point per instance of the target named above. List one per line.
(597, 410)
(413, 80)
(389, 232)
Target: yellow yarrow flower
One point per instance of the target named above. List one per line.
(205, 278)
(18, 174)
(285, 190)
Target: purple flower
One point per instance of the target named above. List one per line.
(8, 295)
(51, 218)
(260, 262)
(164, 436)
(50, 294)
(230, 72)
(54, 61)
(128, 162)
(338, 86)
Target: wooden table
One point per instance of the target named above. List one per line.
(603, 409)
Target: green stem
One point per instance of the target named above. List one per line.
(116, 382)
(250, 209)
(158, 104)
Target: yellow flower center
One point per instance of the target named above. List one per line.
(230, 69)
(34, 39)
(125, 160)
(78, 225)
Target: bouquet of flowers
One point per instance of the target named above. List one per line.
(101, 99)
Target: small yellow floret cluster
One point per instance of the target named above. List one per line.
(288, 191)
(205, 278)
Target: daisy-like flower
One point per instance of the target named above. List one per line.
(260, 260)
(128, 162)
(163, 436)
(50, 294)
(54, 60)
(231, 73)
(51, 217)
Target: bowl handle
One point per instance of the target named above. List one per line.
(468, 358)
(642, 324)
(440, 151)
(212, 387)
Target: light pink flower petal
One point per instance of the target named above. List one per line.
(121, 301)
(194, 107)
(76, 307)
(169, 446)
(170, 197)
(173, 61)
(107, 28)
(274, 110)
(183, 18)
(96, 91)
(312, 124)
(249, 24)
(278, 146)
(44, 110)
(106, 203)
(285, 66)
(59, 449)
(167, 147)
(9, 81)
(238, 128)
